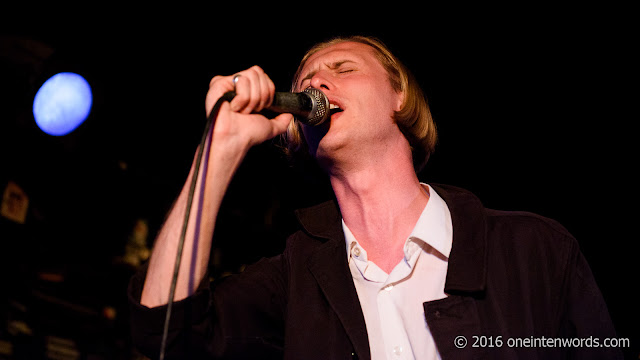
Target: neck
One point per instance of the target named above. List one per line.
(380, 202)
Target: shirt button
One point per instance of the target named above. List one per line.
(356, 251)
(397, 350)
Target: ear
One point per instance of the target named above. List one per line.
(400, 100)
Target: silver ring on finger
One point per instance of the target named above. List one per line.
(235, 81)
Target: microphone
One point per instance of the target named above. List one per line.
(311, 107)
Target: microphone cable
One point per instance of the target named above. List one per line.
(228, 96)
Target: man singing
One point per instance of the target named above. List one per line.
(392, 269)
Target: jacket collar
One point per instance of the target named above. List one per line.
(466, 272)
(467, 263)
(322, 221)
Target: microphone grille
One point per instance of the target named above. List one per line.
(320, 111)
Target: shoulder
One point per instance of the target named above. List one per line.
(531, 243)
(525, 223)
(464, 205)
(506, 232)
(526, 229)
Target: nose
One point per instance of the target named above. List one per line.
(321, 80)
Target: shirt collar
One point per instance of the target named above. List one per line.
(433, 228)
(434, 225)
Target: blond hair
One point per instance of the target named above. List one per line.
(414, 118)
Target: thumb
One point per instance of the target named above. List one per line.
(280, 123)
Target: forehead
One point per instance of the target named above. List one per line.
(351, 51)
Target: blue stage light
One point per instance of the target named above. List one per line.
(62, 103)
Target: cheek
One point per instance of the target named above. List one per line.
(377, 98)
(379, 107)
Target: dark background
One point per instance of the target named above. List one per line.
(531, 105)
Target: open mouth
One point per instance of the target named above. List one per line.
(333, 108)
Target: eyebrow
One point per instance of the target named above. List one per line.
(331, 66)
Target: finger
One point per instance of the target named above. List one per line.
(267, 89)
(280, 124)
(255, 75)
(217, 87)
(247, 91)
(260, 89)
(243, 93)
(253, 87)
(272, 92)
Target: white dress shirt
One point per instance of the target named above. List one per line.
(392, 303)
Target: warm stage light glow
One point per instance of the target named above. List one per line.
(62, 103)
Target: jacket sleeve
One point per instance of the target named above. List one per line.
(240, 316)
(586, 318)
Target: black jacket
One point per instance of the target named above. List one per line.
(516, 282)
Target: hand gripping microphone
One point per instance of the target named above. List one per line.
(310, 107)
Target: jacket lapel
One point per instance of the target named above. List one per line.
(467, 270)
(328, 265)
(454, 320)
